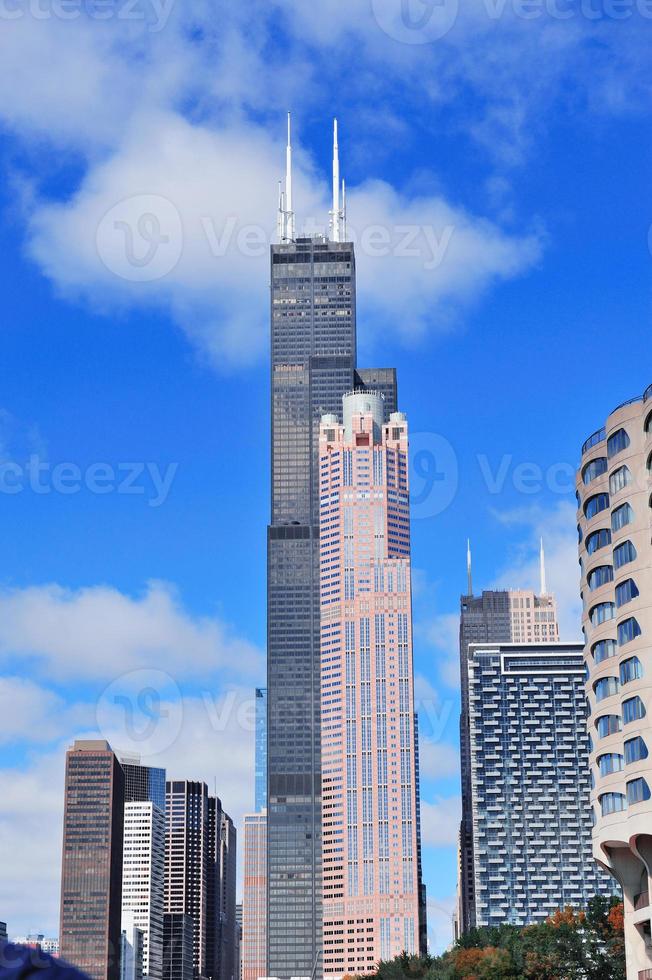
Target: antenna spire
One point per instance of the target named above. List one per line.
(469, 575)
(542, 565)
(336, 217)
(289, 213)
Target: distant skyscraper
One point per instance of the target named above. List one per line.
(227, 870)
(369, 748)
(260, 802)
(238, 923)
(313, 349)
(254, 924)
(530, 782)
(91, 880)
(143, 784)
(502, 616)
(131, 949)
(177, 946)
(614, 486)
(143, 874)
(3, 932)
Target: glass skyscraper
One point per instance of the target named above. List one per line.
(260, 801)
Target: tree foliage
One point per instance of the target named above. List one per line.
(570, 945)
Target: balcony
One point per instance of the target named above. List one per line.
(594, 440)
(647, 394)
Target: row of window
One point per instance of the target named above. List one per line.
(633, 710)
(630, 670)
(602, 574)
(635, 751)
(628, 630)
(637, 792)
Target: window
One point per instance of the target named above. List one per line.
(637, 791)
(600, 576)
(630, 670)
(635, 750)
(605, 687)
(610, 762)
(580, 533)
(617, 442)
(608, 725)
(620, 479)
(625, 592)
(624, 553)
(633, 710)
(601, 613)
(621, 517)
(595, 504)
(604, 650)
(612, 803)
(594, 469)
(599, 539)
(628, 630)
(648, 423)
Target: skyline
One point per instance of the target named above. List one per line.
(113, 381)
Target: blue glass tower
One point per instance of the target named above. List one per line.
(261, 749)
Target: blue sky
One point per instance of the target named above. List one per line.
(521, 142)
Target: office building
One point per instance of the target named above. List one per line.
(254, 917)
(530, 782)
(614, 494)
(226, 868)
(143, 784)
(500, 616)
(177, 946)
(238, 937)
(131, 949)
(370, 818)
(143, 874)
(313, 351)
(91, 880)
(260, 800)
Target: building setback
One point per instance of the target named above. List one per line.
(614, 496)
(313, 364)
(91, 880)
(371, 882)
(501, 616)
(530, 783)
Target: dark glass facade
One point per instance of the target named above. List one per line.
(177, 946)
(144, 784)
(313, 364)
(91, 879)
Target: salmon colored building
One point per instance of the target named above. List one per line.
(370, 806)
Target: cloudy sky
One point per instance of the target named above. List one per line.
(498, 159)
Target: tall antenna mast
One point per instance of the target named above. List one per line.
(336, 215)
(281, 233)
(469, 576)
(344, 231)
(542, 564)
(289, 213)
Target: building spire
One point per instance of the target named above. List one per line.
(469, 574)
(542, 566)
(289, 212)
(336, 213)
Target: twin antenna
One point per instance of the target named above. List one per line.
(286, 217)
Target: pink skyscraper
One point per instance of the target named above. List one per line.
(369, 771)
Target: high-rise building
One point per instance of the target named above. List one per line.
(143, 874)
(177, 946)
(143, 784)
(614, 495)
(91, 880)
(226, 867)
(530, 782)
(254, 924)
(131, 949)
(370, 819)
(3, 932)
(313, 352)
(501, 616)
(238, 948)
(260, 801)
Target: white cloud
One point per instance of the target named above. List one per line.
(440, 821)
(438, 760)
(442, 632)
(31, 714)
(440, 924)
(99, 632)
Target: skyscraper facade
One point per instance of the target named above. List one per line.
(494, 617)
(614, 494)
(371, 881)
(177, 946)
(313, 364)
(143, 875)
(530, 782)
(254, 924)
(260, 800)
(91, 879)
(226, 867)
(143, 784)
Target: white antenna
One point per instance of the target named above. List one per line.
(289, 213)
(469, 576)
(344, 232)
(336, 217)
(542, 563)
(281, 213)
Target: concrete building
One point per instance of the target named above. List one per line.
(131, 949)
(371, 882)
(143, 876)
(614, 494)
(91, 879)
(313, 351)
(177, 946)
(530, 782)
(254, 906)
(502, 616)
